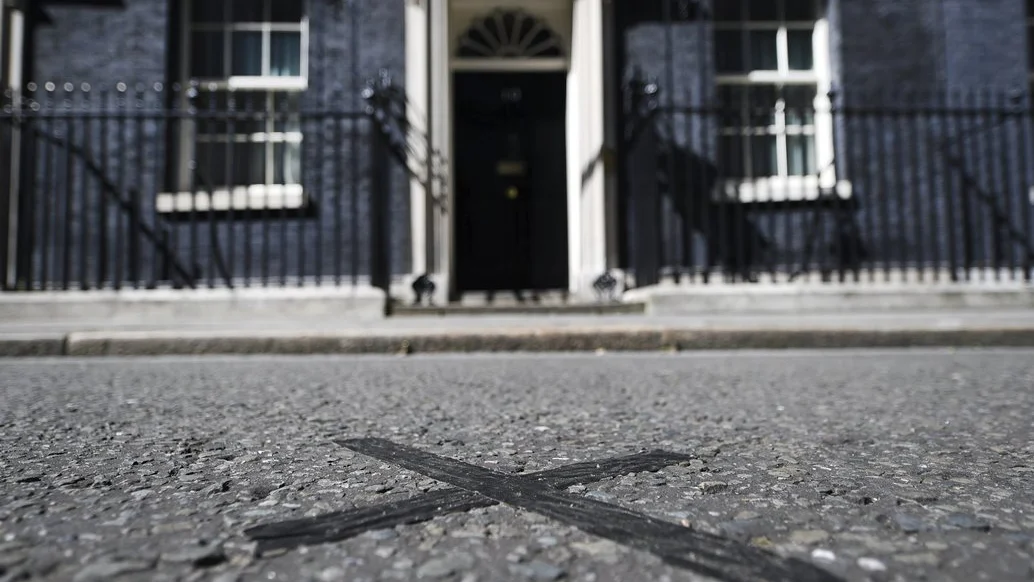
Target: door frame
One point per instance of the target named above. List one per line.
(429, 71)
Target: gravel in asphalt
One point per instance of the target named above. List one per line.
(907, 465)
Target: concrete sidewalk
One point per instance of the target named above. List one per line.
(876, 329)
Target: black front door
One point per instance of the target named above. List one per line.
(511, 181)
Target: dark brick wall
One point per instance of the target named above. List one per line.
(888, 51)
(896, 49)
(913, 55)
(105, 47)
(890, 46)
(987, 43)
(898, 52)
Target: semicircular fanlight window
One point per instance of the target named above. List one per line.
(509, 34)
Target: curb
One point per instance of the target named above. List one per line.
(96, 344)
(33, 347)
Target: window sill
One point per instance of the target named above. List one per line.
(793, 189)
(256, 197)
(255, 84)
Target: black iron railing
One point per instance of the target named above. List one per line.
(155, 236)
(865, 188)
(138, 187)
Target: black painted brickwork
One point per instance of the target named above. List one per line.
(900, 52)
(103, 47)
(895, 47)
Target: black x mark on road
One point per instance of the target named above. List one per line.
(543, 493)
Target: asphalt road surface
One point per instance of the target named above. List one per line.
(810, 466)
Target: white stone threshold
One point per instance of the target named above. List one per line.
(834, 297)
(155, 307)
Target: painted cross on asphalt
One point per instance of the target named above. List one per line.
(543, 493)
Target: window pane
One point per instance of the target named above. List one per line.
(211, 165)
(286, 10)
(286, 115)
(732, 105)
(763, 9)
(211, 117)
(762, 100)
(800, 104)
(249, 163)
(288, 168)
(206, 55)
(800, 151)
(731, 156)
(764, 156)
(285, 55)
(800, 10)
(254, 102)
(800, 50)
(208, 11)
(732, 97)
(247, 53)
(749, 105)
(249, 115)
(729, 51)
(206, 100)
(249, 11)
(728, 10)
(764, 55)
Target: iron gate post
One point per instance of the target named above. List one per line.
(380, 216)
(10, 190)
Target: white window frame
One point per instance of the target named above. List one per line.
(270, 195)
(266, 27)
(784, 187)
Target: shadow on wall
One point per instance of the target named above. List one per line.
(677, 222)
(733, 238)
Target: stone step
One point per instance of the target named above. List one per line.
(516, 308)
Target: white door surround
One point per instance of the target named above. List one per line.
(12, 41)
(433, 32)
